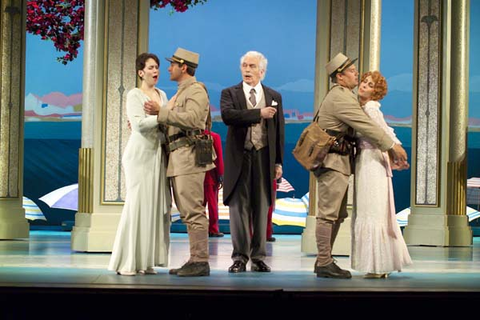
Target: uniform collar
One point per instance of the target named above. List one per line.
(186, 83)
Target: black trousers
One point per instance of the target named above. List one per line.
(249, 205)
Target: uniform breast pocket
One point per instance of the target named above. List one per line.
(179, 105)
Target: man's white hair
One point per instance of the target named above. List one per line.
(262, 64)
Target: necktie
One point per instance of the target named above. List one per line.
(253, 99)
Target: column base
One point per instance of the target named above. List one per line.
(343, 243)
(438, 230)
(13, 224)
(94, 232)
(309, 243)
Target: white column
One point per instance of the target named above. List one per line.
(439, 129)
(353, 29)
(115, 32)
(12, 95)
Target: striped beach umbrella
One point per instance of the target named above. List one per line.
(32, 211)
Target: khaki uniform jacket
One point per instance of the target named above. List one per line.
(340, 111)
(189, 113)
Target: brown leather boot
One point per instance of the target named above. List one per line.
(332, 271)
(176, 270)
(192, 253)
(195, 269)
(335, 228)
(199, 252)
(323, 234)
(199, 245)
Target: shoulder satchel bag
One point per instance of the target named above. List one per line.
(313, 146)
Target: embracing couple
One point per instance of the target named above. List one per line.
(378, 247)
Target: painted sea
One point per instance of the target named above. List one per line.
(51, 162)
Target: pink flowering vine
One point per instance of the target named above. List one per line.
(178, 5)
(62, 21)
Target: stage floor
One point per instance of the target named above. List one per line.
(45, 263)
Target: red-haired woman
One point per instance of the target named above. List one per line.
(378, 247)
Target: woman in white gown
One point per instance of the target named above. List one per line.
(378, 247)
(143, 235)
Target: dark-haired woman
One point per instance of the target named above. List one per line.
(378, 247)
(143, 238)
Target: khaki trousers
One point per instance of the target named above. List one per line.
(188, 194)
(332, 210)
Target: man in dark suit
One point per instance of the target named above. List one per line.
(253, 158)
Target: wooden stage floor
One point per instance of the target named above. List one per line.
(43, 271)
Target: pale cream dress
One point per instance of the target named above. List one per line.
(377, 242)
(143, 235)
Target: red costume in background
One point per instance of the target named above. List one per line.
(213, 182)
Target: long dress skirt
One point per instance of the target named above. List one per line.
(377, 242)
(143, 237)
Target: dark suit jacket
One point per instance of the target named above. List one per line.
(238, 118)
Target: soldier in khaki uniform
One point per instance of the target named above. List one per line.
(341, 113)
(185, 119)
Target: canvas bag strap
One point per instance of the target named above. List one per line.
(318, 110)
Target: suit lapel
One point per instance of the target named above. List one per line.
(241, 96)
(268, 96)
(268, 102)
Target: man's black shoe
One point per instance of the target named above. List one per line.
(194, 269)
(332, 271)
(260, 266)
(271, 239)
(237, 266)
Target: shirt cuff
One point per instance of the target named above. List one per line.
(162, 116)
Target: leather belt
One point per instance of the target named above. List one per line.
(181, 142)
(333, 133)
(183, 134)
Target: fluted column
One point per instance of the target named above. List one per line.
(12, 92)
(115, 32)
(353, 28)
(439, 131)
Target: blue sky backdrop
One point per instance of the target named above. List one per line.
(221, 31)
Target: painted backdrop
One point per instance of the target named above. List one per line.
(222, 31)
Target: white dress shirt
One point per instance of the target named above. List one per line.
(258, 91)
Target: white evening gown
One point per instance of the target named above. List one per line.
(143, 235)
(377, 242)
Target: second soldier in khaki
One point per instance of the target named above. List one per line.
(341, 113)
(185, 121)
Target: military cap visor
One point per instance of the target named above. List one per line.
(182, 61)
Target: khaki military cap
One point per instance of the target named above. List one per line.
(338, 64)
(183, 56)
